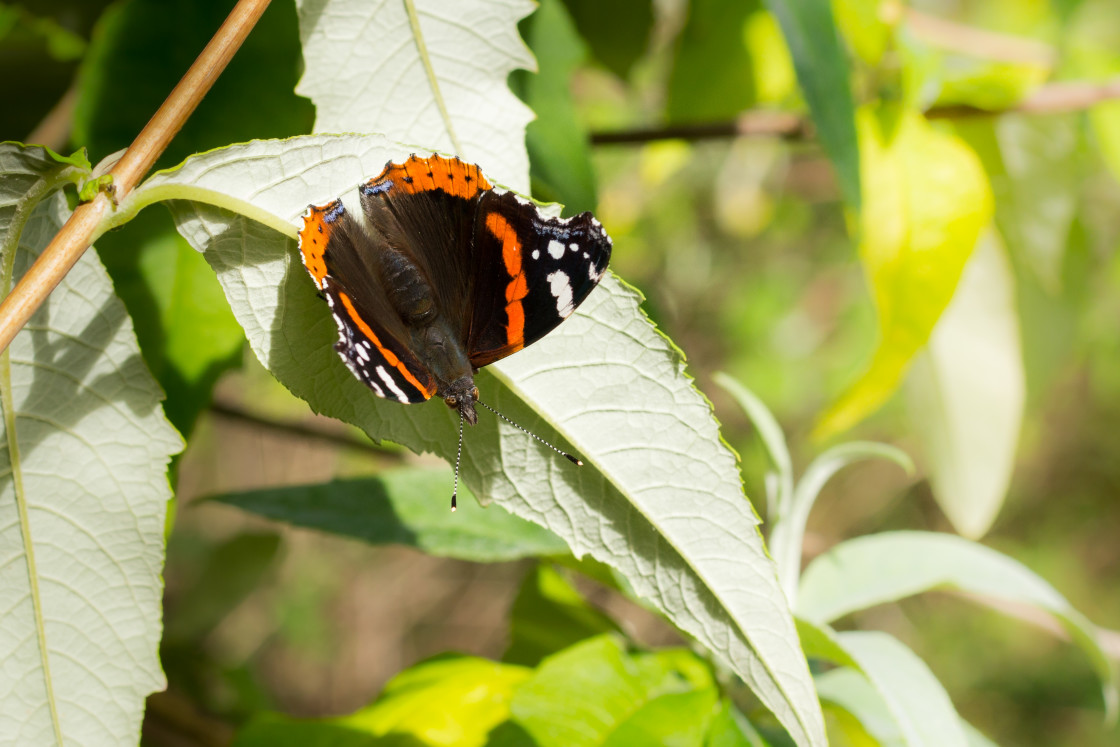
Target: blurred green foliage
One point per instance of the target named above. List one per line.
(750, 262)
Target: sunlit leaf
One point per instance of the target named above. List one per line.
(876, 569)
(428, 72)
(863, 27)
(966, 392)
(660, 497)
(926, 199)
(452, 702)
(83, 492)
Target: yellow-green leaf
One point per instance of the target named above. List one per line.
(926, 199)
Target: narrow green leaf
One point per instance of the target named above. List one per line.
(926, 199)
(83, 494)
(429, 72)
(822, 72)
(915, 699)
(660, 497)
(404, 507)
(549, 615)
(966, 393)
(882, 568)
(618, 32)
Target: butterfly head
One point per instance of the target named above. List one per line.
(461, 396)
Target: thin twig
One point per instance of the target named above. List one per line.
(1054, 98)
(74, 237)
(300, 430)
(978, 43)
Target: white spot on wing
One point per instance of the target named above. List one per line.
(574, 247)
(536, 254)
(561, 289)
(555, 249)
(396, 390)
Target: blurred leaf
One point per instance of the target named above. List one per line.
(443, 85)
(872, 570)
(623, 507)
(670, 720)
(232, 570)
(966, 393)
(822, 71)
(83, 490)
(1037, 182)
(559, 153)
(849, 689)
(711, 77)
(150, 44)
(582, 695)
(862, 26)
(729, 728)
(926, 201)
(617, 32)
(775, 80)
(187, 332)
(62, 44)
(549, 615)
(406, 507)
(916, 701)
(448, 702)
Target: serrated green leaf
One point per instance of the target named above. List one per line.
(966, 393)
(406, 507)
(822, 72)
(429, 72)
(876, 569)
(83, 493)
(660, 498)
(449, 702)
(926, 199)
(618, 32)
(549, 615)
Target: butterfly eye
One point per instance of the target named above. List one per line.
(452, 401)
(474, 394)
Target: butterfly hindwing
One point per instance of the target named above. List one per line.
(530, 273)
(370, 332)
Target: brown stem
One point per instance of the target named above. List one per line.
(1054, 98)
(74, 237)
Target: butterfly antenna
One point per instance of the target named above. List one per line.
(458, 459)
(574, 460)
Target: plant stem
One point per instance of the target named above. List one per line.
(74, 238)
(1054, 98)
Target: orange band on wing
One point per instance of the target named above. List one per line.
(388, 354)
(518, 287)
(313, 239)
(434, 172)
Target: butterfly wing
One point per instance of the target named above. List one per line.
(530, 273)
(339, 254)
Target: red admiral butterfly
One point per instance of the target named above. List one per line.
(442, 274)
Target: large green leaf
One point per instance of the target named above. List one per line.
(660, 498)
(926, 199)
(618, 32)
(966, 393)
(429, 72)
(882, 568)
(83, 494)
(406, 507)
(822, 72)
